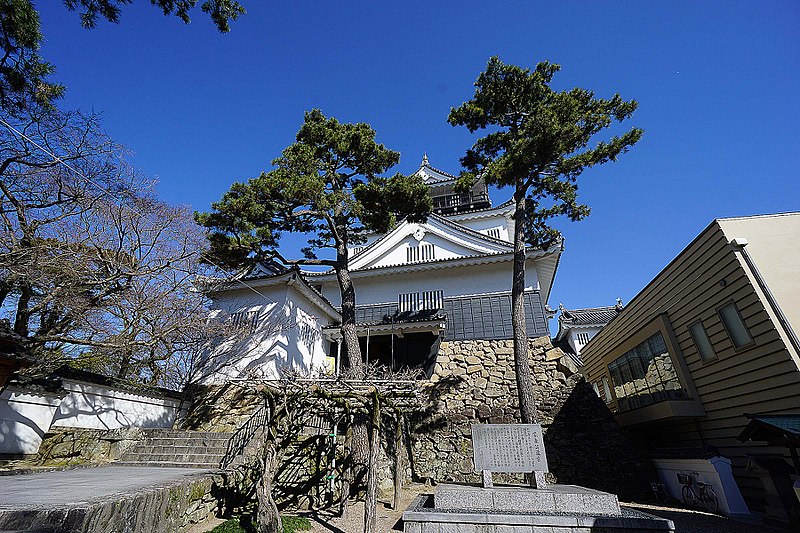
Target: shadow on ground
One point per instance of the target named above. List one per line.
(689, 521)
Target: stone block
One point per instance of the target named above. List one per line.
(520, 499)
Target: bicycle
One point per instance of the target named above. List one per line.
(704, 494)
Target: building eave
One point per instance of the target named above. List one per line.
(402, 268)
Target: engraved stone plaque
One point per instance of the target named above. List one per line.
(510, 448)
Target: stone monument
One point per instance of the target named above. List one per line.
(538, 508)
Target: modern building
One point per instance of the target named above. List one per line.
(448, 278)
(708, 344)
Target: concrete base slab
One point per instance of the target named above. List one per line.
(552, 499)
(422, 517)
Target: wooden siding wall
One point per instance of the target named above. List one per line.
(759, 378)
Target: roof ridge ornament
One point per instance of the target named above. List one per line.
(424, 160)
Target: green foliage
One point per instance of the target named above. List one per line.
(23, 73)
(220, 11)
(326, 184)
(295, 523)
(22, 70)
(244, 525)
(234, 525)
(538, 140)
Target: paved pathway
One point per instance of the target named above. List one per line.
(68, 488)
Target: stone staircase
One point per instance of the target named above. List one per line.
(169, 447)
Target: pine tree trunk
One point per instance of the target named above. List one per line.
(399, 449)
(359, 448)
(371, 500)
(522, 367)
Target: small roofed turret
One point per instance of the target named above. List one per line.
(446, 200)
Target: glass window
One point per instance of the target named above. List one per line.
(700, 339)
(645, 375)
(734, 325)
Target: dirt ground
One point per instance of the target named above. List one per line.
(686, 521)
(389, 520)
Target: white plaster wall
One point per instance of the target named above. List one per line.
(306, 335)
(715, 471)
(460, 281)
(443, 249)
(24, 419)
(288, 336)
(89, 405)
(483, 225)
(247, 354)
(573, 341)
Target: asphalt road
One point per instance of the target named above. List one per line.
(68, 488)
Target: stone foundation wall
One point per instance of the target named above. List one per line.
(474, 382)
(71, 446)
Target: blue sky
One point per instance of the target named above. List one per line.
(717, 85)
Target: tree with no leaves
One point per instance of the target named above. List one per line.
(94, 269)
(538, 143)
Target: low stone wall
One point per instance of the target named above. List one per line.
(474, 382)
(170, 508)
(69, 446)
(219, 407)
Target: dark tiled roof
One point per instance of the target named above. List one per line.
(388, 314)
(263, 270)
(771, 427)
(590, 315)
(482, 317)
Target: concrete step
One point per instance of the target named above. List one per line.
(179, 449)
(168, 464)
(176, 458)
(181, 433)
(166, 447)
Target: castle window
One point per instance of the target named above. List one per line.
(422, 252)
(356, 250)
(246, 320)
(494, 233)
(419, 301)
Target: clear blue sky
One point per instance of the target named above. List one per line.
(717, 85)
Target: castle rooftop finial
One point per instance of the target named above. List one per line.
(424, 159)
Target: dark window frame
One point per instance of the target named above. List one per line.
(741, 347)
(714, 355)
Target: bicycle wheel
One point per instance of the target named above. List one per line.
(710, 500)
(688, 495)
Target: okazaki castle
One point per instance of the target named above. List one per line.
(447, 279)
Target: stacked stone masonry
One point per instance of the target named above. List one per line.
(474, 382)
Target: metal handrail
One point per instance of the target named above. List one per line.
(244, 434)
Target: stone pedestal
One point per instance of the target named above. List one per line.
(553, 499)
(520, 509)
